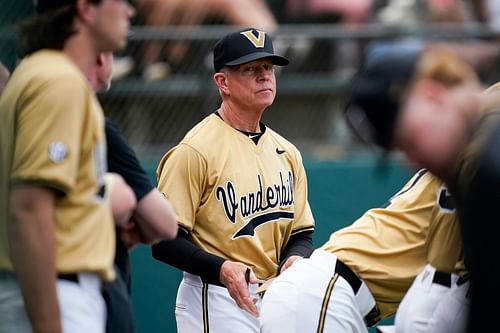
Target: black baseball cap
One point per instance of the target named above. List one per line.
(244, 46)
(376, 92)
(46, 5)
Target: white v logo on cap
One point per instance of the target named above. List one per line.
(258, 41)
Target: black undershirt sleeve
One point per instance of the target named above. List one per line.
(299, 245)
(184, 255)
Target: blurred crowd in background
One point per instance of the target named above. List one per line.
(155, 60)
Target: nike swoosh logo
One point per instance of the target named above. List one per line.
(253, 136)
(279, 151)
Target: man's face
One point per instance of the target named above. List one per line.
(431, 131)
(111, 24)
(252, 85)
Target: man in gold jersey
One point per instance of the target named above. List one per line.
(362, 272)
(431, 105)
(56, 232)
(4, 76)
(240, 193)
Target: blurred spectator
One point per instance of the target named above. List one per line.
(481, 54)
(342, 55)
(346, 11)
(404, 12)
(157, 64)
(493, 12)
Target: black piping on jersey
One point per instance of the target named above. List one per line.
(420, 174)
(249, 228)
(303, 229)
(324, 305)
(204, 302)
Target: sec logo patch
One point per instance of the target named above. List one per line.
(58, 152)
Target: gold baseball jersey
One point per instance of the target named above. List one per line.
(387, 247)
(52, 134)
(238, 200)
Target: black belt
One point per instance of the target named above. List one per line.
(355, 282)
(72, 277)
(444, 279)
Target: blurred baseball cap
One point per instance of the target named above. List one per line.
(244, 46)
(376, 92)
(46, 5)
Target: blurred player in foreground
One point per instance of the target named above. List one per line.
(56, 230)
(4, 76)
(360, 275)
(430, 105)
(240, 192)
(152, 220)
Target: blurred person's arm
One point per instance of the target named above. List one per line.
(351, 11)
(153, 217)
(121, 198)
(33, 251)
(153, 221)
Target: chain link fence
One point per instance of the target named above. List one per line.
(156, 110)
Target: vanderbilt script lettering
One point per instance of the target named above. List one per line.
(262, 200)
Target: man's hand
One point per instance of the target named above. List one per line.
(232, 275)
(130, 234)
(289, 262)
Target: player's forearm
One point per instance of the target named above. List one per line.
(122, 199)
(33, 244)
(155, 218)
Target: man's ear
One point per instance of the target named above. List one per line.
(100, 59)
(220, 80)
(85, 10)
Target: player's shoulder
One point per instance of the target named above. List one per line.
(426, 178)
(49, 67)
(281, 140)
(422, 186)
(51, 62)
(204, 133)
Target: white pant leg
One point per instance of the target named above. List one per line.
(81, 304)
(13, 316)
(293, 302)
(452, 312)
(419, 303)
(224, 315)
